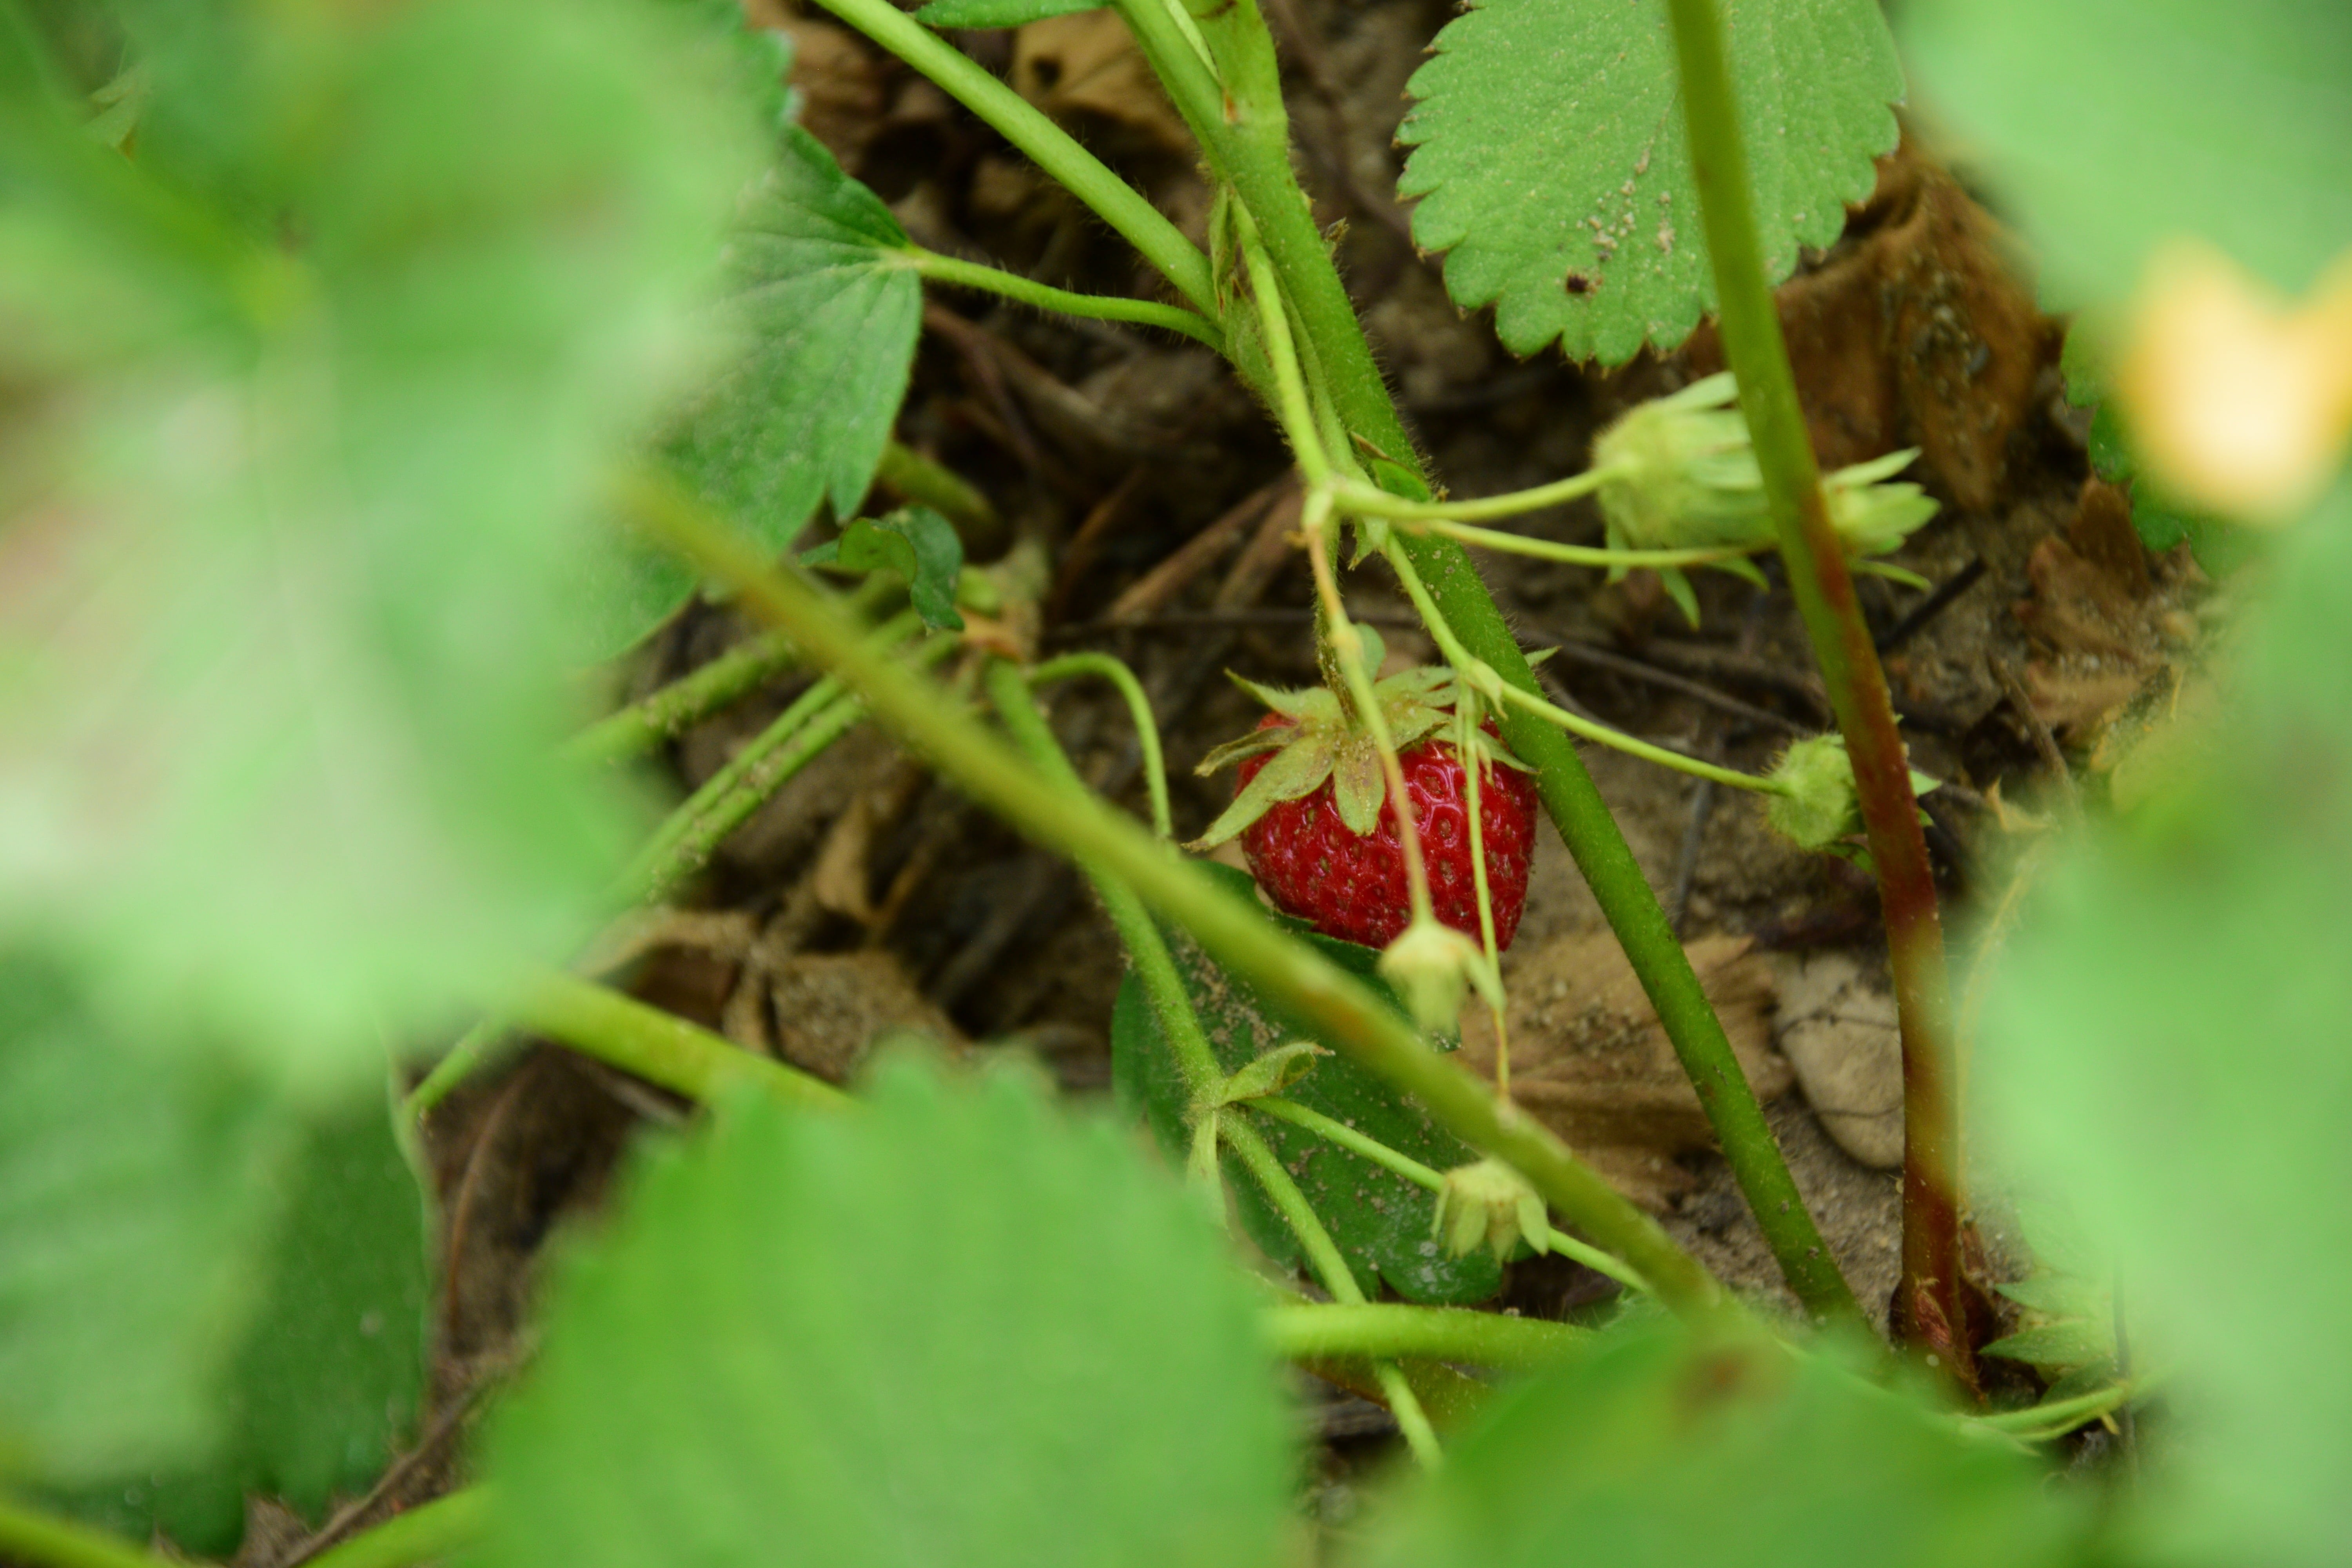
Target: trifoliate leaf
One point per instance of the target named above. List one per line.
(137, 1186)
(824, 311)
(915, 543)
(1651, 1450)
(2113, 124)
(1555, 170)
(1381, 1221)
(325, 1385)
(302, 483)
(950, 1326)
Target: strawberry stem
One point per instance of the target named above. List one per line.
(1258, 1158)
(1931, 1305)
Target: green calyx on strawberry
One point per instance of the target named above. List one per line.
(1311, 809)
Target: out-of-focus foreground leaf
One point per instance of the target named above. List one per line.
(1555, 172)
(948, 1326)
(2164, 1042)
(325, 1382)
(311, 408)
(1382, 1222)
(1650, 1451)
(2114, 124)
(135, 1186)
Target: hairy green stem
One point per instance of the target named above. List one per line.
(1155, 967)
(920, 480)
(1441, 1333)
(428, 1532)
(684, 702)
(1464, 660)
(1381, 503)
(34, 1536)
(1248, 142)
(1573, 555)
(1413, 1171)
(1257, 1157)
(660, 1048)
(1115, 201)
(1931, 1311)
(454, 1068)
(1239, 936)
(2038, 1423)
(1163, 988)
(692, 832)
(1138, 709)
(1046, 296)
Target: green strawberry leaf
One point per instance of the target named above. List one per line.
(2114, 124)
(289, 548)
(823, 313)
(327, 1380)
(952, 1326)
(137, 1186)
(2069, 1341)
(914, 541)
(998, 12)
(1555, 172)
(1651, 1450)
(1382, 1222)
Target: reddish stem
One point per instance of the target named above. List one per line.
(1929, 1314)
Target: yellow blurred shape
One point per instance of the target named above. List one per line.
(2240, 401)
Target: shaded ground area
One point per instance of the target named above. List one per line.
(1152, 499)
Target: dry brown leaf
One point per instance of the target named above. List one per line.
(1591, 1060)
(2095, 618)
(1839, 1034)
(1920, 334)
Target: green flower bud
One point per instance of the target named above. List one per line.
(1433, 966)
(1492, 1203)
(1683, 475)
(1818, 806)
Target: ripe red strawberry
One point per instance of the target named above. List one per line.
(1353, 887)
(1311, 811)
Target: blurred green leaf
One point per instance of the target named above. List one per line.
(2163, 1041)
(1384, 1224)
(312, 409)
(915, 543)
(950, 1326)
(2113, 124)
(1653, 1450)
(137, 1186)
(823, 311)
(1555, 170)
(2069, 1342)
(327, 1382)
